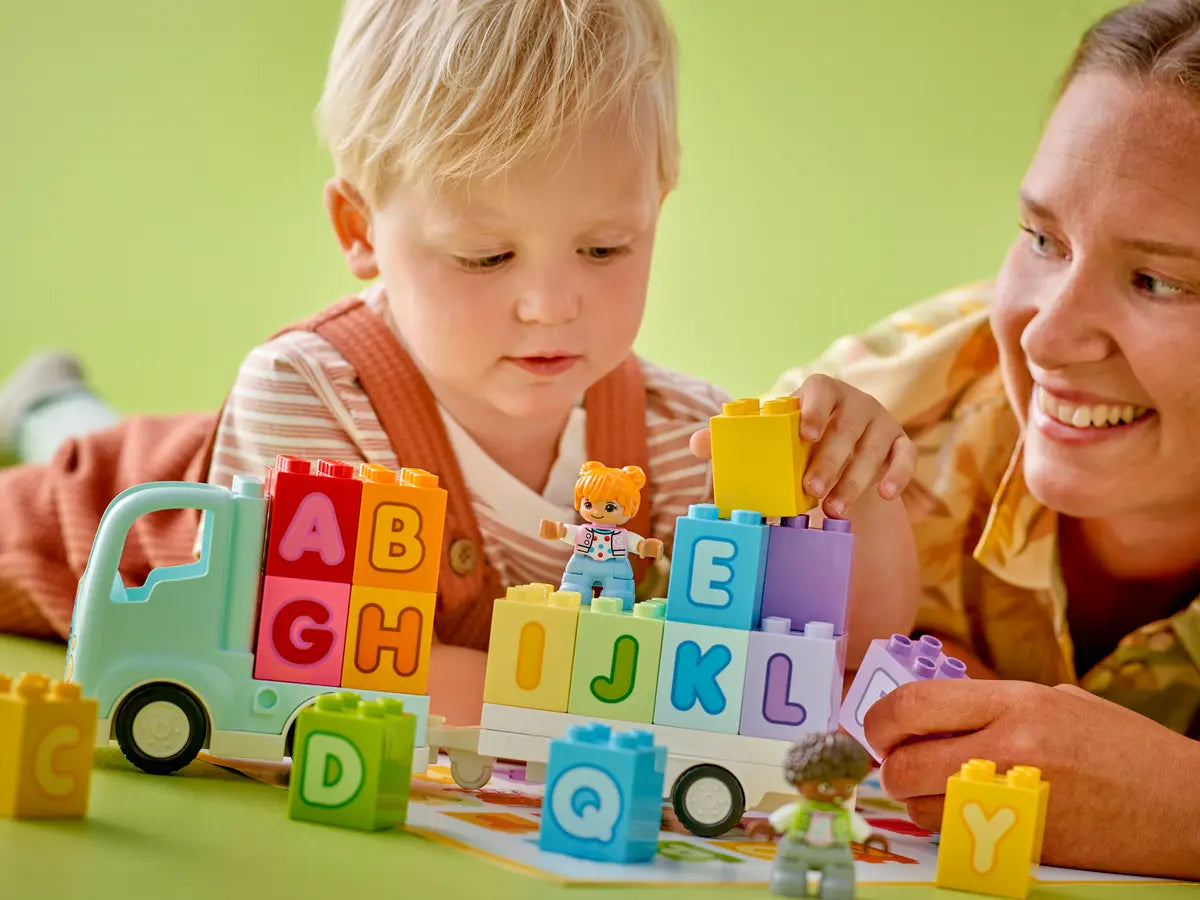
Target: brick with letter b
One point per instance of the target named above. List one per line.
(400, 528)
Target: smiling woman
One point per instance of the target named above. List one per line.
(1056, 505)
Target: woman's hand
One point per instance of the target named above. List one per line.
(1122, 787)
(857, 444)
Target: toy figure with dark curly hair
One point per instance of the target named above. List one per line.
(817, 829)
(606, 498)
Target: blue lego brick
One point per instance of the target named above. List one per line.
(603, 797)
(701, 677)
(717, 568)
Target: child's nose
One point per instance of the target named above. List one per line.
(549, 303)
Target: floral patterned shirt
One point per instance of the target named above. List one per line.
(988, 550)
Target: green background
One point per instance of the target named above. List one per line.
(162, 179)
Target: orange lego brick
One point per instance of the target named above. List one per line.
(388, 639)
(400, 528)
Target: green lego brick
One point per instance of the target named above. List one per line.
(615, 671)
(352, 763)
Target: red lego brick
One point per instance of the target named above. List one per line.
(314, 520)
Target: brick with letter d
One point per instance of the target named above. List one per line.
(701, 677)
(388, 636)
(352, 762)
(717, 568)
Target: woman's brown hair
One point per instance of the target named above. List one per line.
(1157, 39)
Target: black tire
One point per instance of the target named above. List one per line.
(722, 819)
(180, 748)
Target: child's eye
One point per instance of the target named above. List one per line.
(1155, 286)
(603, 253)
(482, 263)
(587, 504)
(610, 507)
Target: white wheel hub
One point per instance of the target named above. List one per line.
(161, 729)
(708, 800)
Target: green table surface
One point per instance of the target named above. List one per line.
(207, 834)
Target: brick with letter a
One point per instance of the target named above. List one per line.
(314, 520)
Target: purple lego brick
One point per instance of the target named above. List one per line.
(793, 680)
(808, 571)
(887, 665)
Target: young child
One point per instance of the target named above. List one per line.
(500, 166)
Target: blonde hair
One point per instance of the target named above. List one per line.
(1157, 39)
(446, 90)
(600, 482)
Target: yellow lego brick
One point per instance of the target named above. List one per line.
(992, 829)
(758, 458)
(47, 732)
(532, 648)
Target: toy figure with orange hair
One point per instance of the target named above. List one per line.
(606, 498)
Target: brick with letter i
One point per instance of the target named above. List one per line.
(758, 458)
(992, 829)
(47, 738)
(301, 631)
(887, 665)
(717, 568)
(531, 648)
(701, 677)
(352, 762)
(400, 527)
(388, 636)
(314, 520)
(615, 673)
(793, 680)
(603, 796)
(807, 576)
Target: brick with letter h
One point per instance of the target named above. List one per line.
(352, 762)
(615, 672)
(717, 568)
(887, 665)
(389, 634)
(793, 680)
(758, 458)
(603, 796)
(992, 829)
(532, 647)
(47, 737)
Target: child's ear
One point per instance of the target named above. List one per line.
(351, 222)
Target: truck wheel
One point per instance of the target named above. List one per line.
(160, 728)
(708, 800)
(469, 770)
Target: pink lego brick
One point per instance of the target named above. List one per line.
(887, 665)
(302, 631)
(807, 576)
(793, 680)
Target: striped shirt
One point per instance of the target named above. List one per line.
(297, 395)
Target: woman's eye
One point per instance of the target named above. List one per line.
(610, 507)
(1041, 243)
(1155, 286)
(482, 263)
(587, 504)
(602, 253)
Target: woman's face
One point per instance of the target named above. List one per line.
(1098, 303)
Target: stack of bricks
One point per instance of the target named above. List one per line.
(751, 636)
(350, 576)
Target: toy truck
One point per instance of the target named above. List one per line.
(191, 660)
